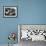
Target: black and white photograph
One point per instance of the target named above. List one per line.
(10, 11)
(29, 34)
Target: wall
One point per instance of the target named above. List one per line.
(32, 11)
(7, 25)
(29, 12)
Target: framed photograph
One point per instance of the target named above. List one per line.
(9, 11)
(32, 32)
